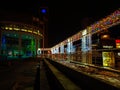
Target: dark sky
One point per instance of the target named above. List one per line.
(65, 17)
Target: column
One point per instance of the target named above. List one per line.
(20, 45)
(89, 53)
(84, 52)
(37, 46)
(86, 47)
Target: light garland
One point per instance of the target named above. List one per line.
(106, 22)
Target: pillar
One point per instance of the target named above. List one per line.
(20, 44)
(86, 47)
(37, 42)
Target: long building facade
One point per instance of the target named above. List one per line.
(19, 40)
(20, 35)
(97, 44)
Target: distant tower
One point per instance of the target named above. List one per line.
(41, 12)
(44, 18)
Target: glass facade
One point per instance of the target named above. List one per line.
(19, 40)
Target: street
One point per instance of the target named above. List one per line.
(18, 76)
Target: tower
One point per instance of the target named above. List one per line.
(41, 17)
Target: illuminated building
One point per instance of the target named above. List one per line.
(96, 44)
(19, 39)
(21, 34)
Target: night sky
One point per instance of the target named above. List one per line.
(65, 17)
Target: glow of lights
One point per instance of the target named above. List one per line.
(34, 32)
(32, 44)
(68, 40)
(24, 30)
(39, 34)
(62, 48)
(30, 31)
(39, 51)
(105, 36)
(117, 43)
(10, 28)
(68, 47)
(43, 10)
(10, 53)
(16, 29)
(106, 22)
(6, 28)
(108, 59)
(107, 46)
(38, 31)
(118, 53)
(84, 32)
(103, 24)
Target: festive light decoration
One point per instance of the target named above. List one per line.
(21, 29)
(109, 21)
(117, 43)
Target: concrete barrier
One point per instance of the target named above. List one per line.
(58, 79)
(85, 81)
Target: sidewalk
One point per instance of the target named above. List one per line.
(22, 76)
(44, 85)
(25, 76)
(19, 76)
